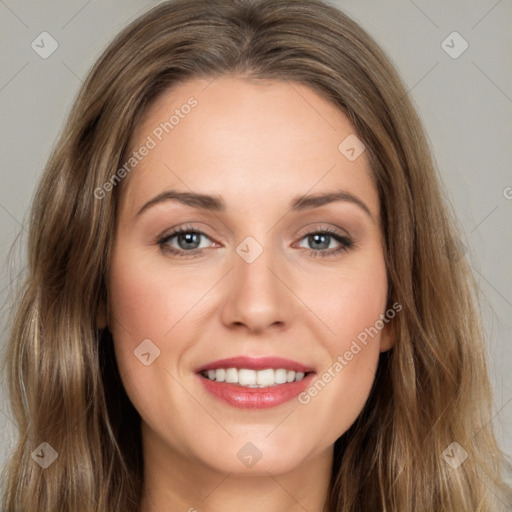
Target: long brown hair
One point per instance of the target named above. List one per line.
(431, 390)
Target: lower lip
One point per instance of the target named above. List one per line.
(255, 398)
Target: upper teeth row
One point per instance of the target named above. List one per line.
(253, 378)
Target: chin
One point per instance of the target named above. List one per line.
(254, 455)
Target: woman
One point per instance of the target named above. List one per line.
(250, 372)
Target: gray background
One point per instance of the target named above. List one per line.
(465, 104)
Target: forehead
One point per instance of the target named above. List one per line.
(251, 141)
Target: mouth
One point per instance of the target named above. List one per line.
(255, 383)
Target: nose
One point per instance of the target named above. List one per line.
(258, 295)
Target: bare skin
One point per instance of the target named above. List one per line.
(258, 145)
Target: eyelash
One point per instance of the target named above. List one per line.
(345, 241)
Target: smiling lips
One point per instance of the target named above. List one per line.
(247, 382)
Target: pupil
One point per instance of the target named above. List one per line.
(188, 237)
(318, 236)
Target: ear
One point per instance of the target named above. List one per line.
(387, 337)
(101, 317)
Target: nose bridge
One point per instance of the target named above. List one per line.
(257, 295)
(252, 266)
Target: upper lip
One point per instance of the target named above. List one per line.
(256, 363)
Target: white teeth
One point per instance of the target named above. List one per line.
(246, 377)
(254, 378)
(280, 376)
(232, 375)
(266, 378)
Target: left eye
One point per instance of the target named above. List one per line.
(189, 238)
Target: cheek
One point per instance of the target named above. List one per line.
(351, 300)
(147, 311)
(149, 301)
(141, 309)
(336, 398)
(145, 300)
(351, 306)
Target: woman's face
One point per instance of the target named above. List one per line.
(255, 275)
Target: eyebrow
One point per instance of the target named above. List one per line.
(215, 203)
